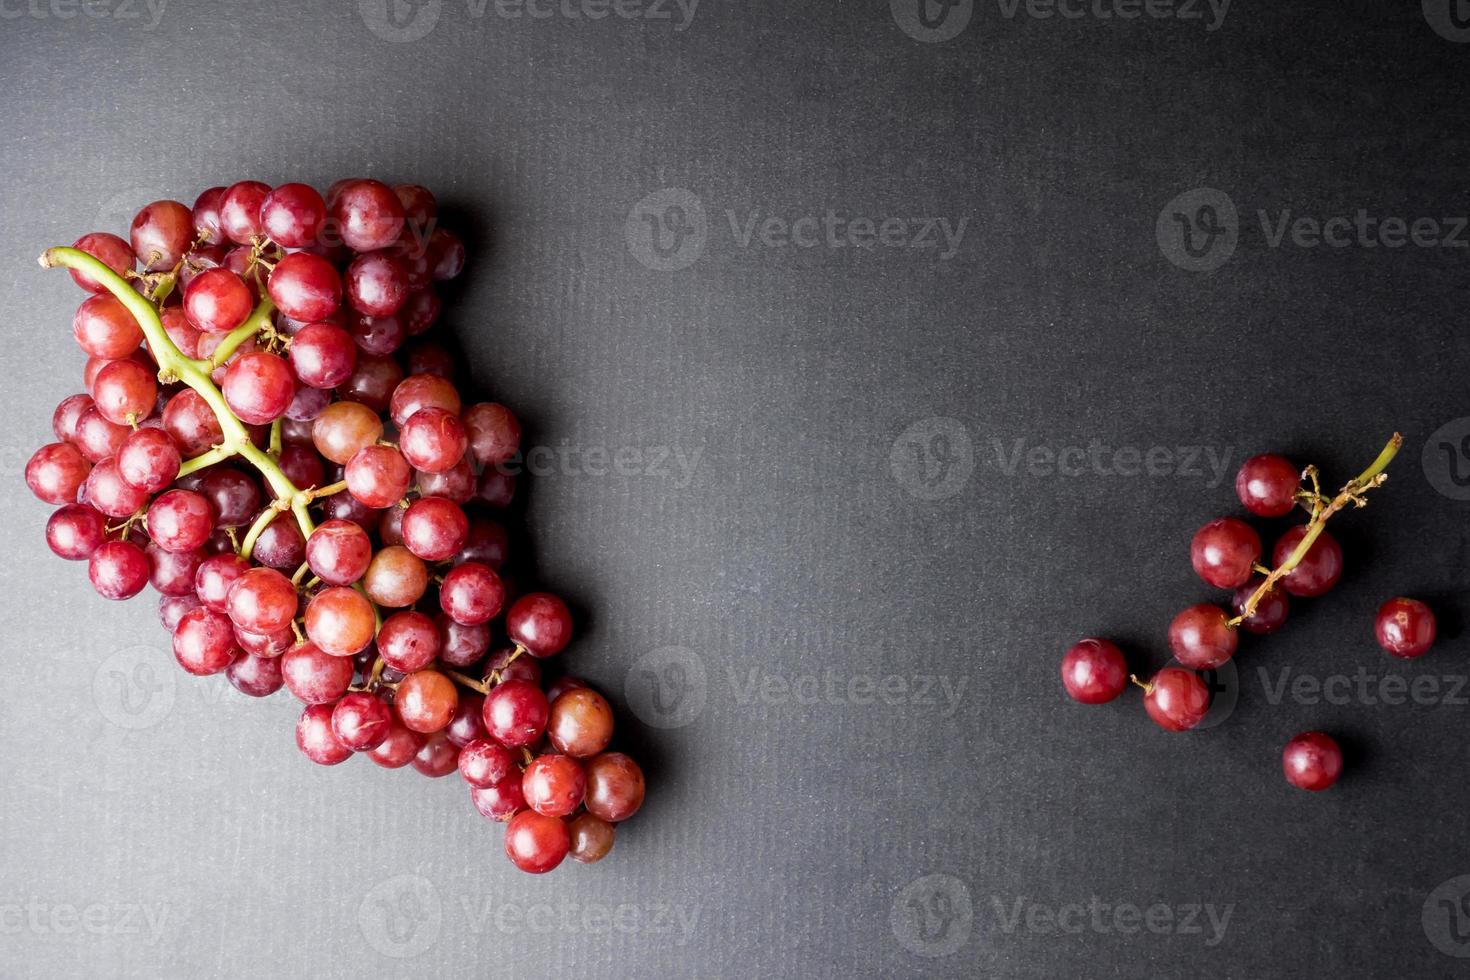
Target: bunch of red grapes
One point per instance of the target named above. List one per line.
(1226, 553)
(268, 439)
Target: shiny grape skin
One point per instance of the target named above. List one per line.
(367, 214)
(344, 428)
(501, 801)
(408, 641)
(217, 301)
(467, 725)
(323, 355)
(376, 284)
(258, 387)
(592, 838)
(103, 327)
(378, 476)
(536, 843)
(339, 552)
(372, 381)
(1200, 637)
(206, 215)
(234, 496)
(434, 528)
(1094, 671)
(171, 609)
(190, 421)
(204, 642)
(396, 577)
(292, 215)
(483, 763)
(554, 785)
(471, 594)
(118, 570)
(305, 287)
(580, 723)
(96, 438)
(180, 520)
(280, 545)
(148, 459)
(456, 484)
(255, 676)
(1267, 485)
(446, 255)
(172, 573)
(340, 621)
(125, 392)
(269, 645)
(75, 532)
(214, 577)
(432, 440)
(1177, 699)
(540, 622)
(516, 713)
(56, 472)
(107, 248)
(1224, 552)
(426, 700)
(494, 433)
(160, 235)
(302, 466)
(239, 210)
(461, 646)
(438, 758)
(486, 542)
(106, 490)
(615, 786)
(512, 667)
(1270, 612)
(399, 748)
(1405, 628)
(68, 413)
(422, 391)
(315, 677)
(361, 721)
(262, 600)
(315, 738)
(1319, 569)
(1312, 761)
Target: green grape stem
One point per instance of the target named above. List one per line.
(1322, 511)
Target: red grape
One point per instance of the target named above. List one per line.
(1312, 761)
(305, 287)
(614, 786)
(540, 622)
(1094, 671)
(316, 739)
(592, 838)
(516, 713)
(204, 642)
(239, 210)
(1270, 611)
(536, 843)
(313, 676)
(118, 570)
(553, 785)
(217, 301)
(1176, 699)
(1201, 637)
(1405, 628)
(161, 234)
(1319, 569)
(75, 532)
(258, 387)
(56, 472)
(292, 214)
(580, 723)
(107, 248)
(432, 440)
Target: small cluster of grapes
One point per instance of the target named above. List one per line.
(1226, 553)
(351, 561)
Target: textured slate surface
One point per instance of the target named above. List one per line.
(872, 369)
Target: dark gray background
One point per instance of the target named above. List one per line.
(823, 527)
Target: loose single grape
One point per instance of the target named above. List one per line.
(484, 763)
(580, 723)
(1224, 552)
(1176, 699)
(432, 440)
(361, 721)
(180, 520)
(1312, 761)
(255, 676)
(344, 428)
(614, 787)
(323, 355)
(540, 622)
(367, 214)
(553, 785)
(161, 234)
(75, 532)
(399, 748)
(148, 459)
(396, 578)
(118, 570)
(262, 600)
(239, 210)
(204, 642)
(340, 621)
(536, 843)
(516, 713)
(1201, 637)
(1094, 671)
(1405, 628)
(422, 391)
(305, 287)
(313, 676)
(408, 641)
(426, 700)
(1270, 611)
(292, 214)
(471, 594)
(315, 738)
(592, 838)
(259, 387)
(378, 476)
(103, 327)
(106, 490)
(108, 249)
(494, 433)
(500, 801)
(55, 473)
(1267, 485)
(438, 758)
(1319, 569)
(434, 528)
(217, 301)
